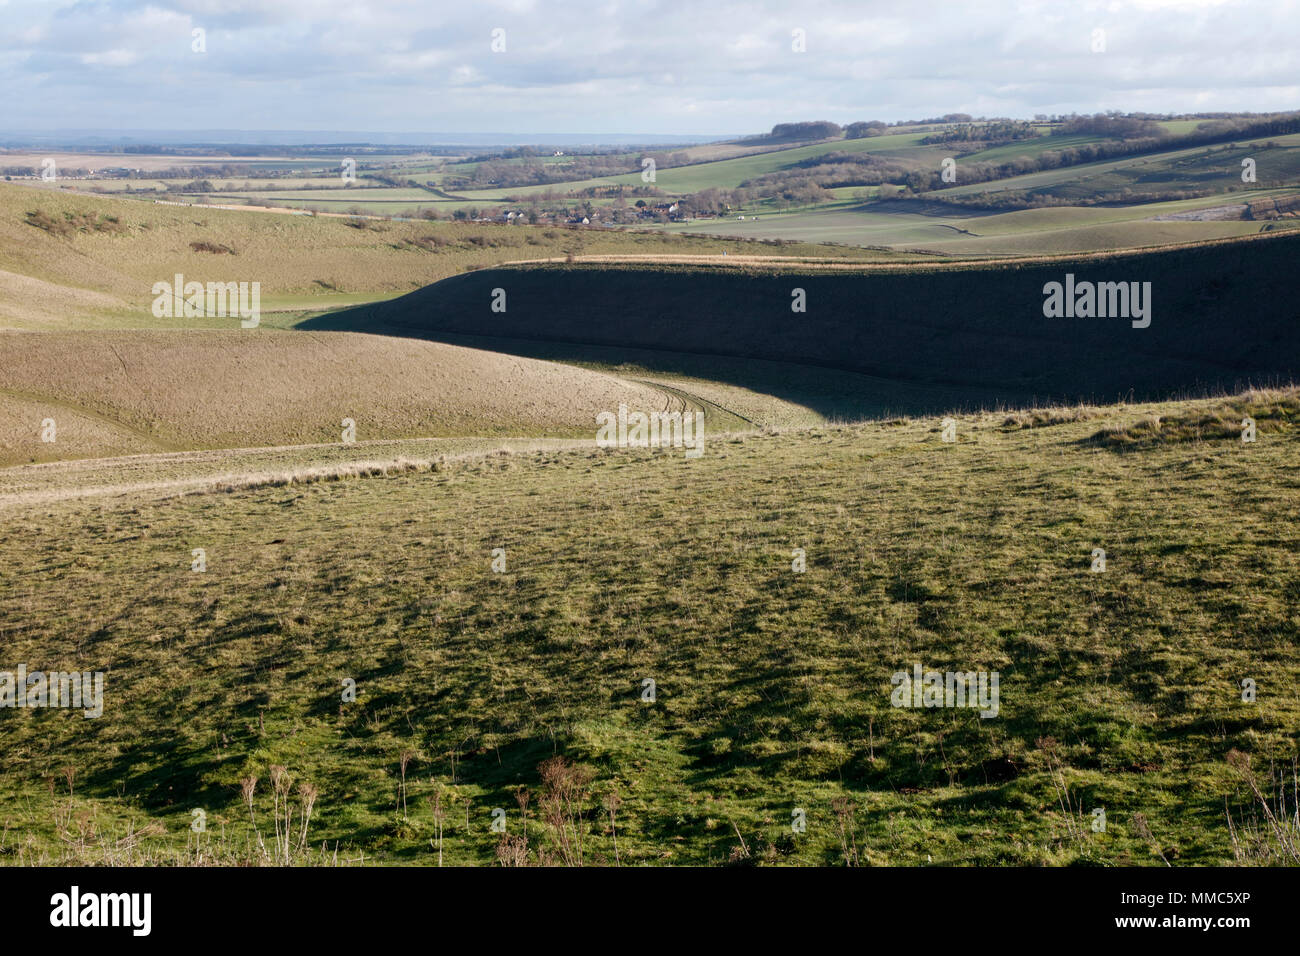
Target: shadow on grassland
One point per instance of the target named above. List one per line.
(1223, 317)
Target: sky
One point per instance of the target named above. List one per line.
(689, 67)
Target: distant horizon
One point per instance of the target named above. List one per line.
(198, 137)
(329, 137)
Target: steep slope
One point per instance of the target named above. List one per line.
(1221, 315)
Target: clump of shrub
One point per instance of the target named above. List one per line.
(214, 247)
(358, 222)
(492, 242)
(55, 227)
(1045, 417)
(428, 243)
(72, 222)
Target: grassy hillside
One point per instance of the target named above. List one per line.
(91, 262)
(169, 474)
(942, 228)
(120, 392)
(1164, 171)
(1120, 690)
(758, 393)
(521, 690)
(1216, 167)
(1222, 315)
(413, 186)
(730, 173)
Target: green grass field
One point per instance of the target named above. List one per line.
(854, 215)
(1120, 690)
(952, 230)
(730, 173)
(336, 651)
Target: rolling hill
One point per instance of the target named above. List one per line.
(772, 686)
(371, 565)
(1223, 316)
(68, 260)
(124, 392)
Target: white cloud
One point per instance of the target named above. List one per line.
(661, 66)
(116, 58)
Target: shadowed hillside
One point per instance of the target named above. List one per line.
(1223, 315)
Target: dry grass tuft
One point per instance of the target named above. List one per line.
(1272, 410)
(1046, 417)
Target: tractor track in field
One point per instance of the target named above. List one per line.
(688, 398)
(162, 445)
(171, 473)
